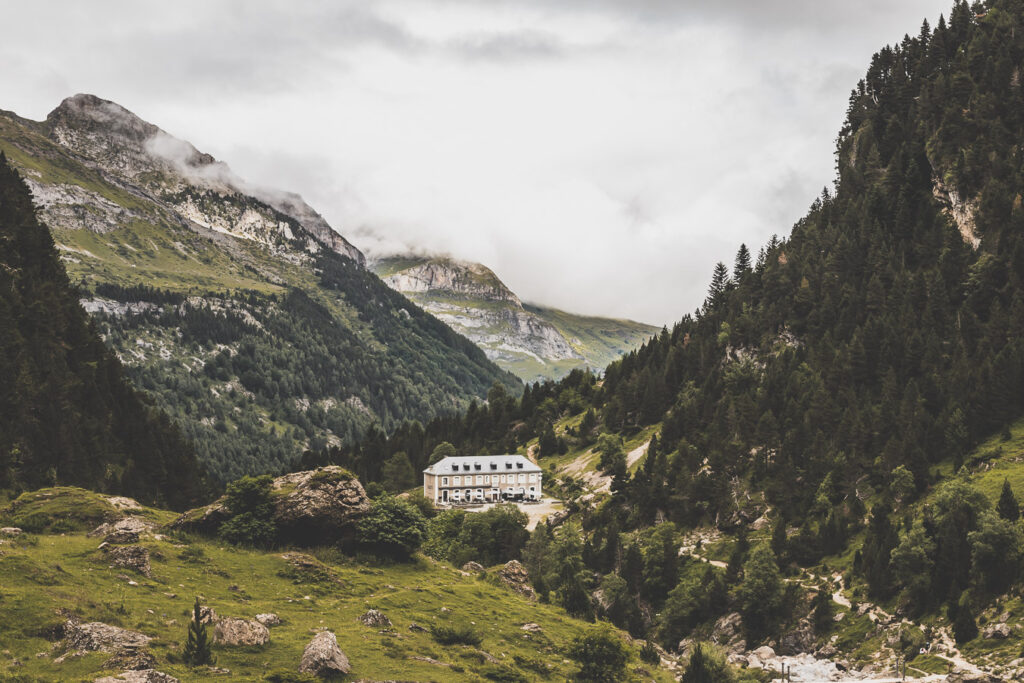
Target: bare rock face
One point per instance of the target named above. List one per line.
(315, 507)
(323, 657)
(139, 676)
(996, 632)
(375, 619)
(515, 576)
(96, 635)
(728, 632)
(133, 660)
(130, 557)
(798, 640)
(236, 632)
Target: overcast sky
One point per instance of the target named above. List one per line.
(599, 155)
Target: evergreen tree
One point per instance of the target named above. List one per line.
(198, 645)
(742, 266)
(1007, 506)
(965, 627)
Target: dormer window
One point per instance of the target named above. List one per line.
(465, 468)
(519, 465)
(476, 466)
(494, 465)
(508, 466)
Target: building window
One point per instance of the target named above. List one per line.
(494, 465)
(444, 481)
(519, 465)
(522, 478)
(456, 480)
(533, 477)
(487, 479)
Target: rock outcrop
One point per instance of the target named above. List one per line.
(515, 576)
(96, 635)
(323, 657)
(315, 507)
(127, 528)
(473, 567)
(139, 676)
(133, 557)
(269, 619)
(375, 619)
(240, 632)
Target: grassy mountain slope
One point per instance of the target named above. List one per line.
(48, 576)
(67, 412)
(238, 309)
(534, 342)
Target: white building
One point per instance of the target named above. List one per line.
(483, 478)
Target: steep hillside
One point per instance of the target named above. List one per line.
(533, 342)
(67, 412)
(246, 317)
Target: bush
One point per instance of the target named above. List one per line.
(252, 512)
(706, 666)
(455, 634)
(393, 528)
(601, 655)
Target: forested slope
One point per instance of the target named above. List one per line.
(67, 412)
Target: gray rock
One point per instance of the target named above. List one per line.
(139, 676)
(96, 635)
(130, 557)
(126, 525)
(475, 567)
(515, 576)
(416, 627)
(123, 536)
(323, 657)
(375, 619)
(238, 632)
(133, 660)
(10, 531)
(268, 619)
(996, 632)
(532, 628)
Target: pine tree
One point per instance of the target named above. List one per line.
(1007, 506)
(198, 647)
(719, 284)
(965, 627)
(742, 266)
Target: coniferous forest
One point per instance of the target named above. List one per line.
(67, 412)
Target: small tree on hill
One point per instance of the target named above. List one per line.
(1007, 507)
(198, 646)
(706, 667)
(965, 627)
(601, 655)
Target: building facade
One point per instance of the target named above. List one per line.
(482, 479)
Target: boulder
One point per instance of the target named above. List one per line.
(323, 657)
(10, 531)
(798, 640)
(473, 567)
(375, 619)
(416, 627)
(141, 676)
(996, 632)
(126, 526)
(133, 660)
(532, 628)
(268, 619)
(96, 635)
(130, 557)
(316, 507)
(727, 629)
(515, 576)
(238, 632)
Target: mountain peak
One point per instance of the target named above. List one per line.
(89, 112)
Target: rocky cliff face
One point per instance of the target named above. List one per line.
(185, 184)
(532, 342)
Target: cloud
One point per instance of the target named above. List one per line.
(599, 155)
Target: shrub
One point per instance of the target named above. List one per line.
(601, 655)
(393, 528)
(455, 634)
(252, 511)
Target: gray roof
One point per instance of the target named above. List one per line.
(448, 465)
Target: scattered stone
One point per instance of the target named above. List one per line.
(515, 576)
(132, 660)
(532, 628)
(375, 619)
(10, 531)
(130, 557)
(96, 635)
(445, 610)
(323, 657)
(236, 632)
(268, 619)
(416, 627)
(473, 567)
(142, 676)
(124, 503)
(996, 632)
(429, 660)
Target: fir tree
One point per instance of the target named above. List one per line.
(198, 646)
(1007, 506)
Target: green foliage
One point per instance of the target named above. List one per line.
(706, 665)
(965, 626)
(455, 634)
(601, 656)
(494, 536)
(393, 528)
(1007, 506)
(198, 649)
(441, 451)
(251, 508)
(67, 413)
(760, 594)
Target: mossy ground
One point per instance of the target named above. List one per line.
(43, 574)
